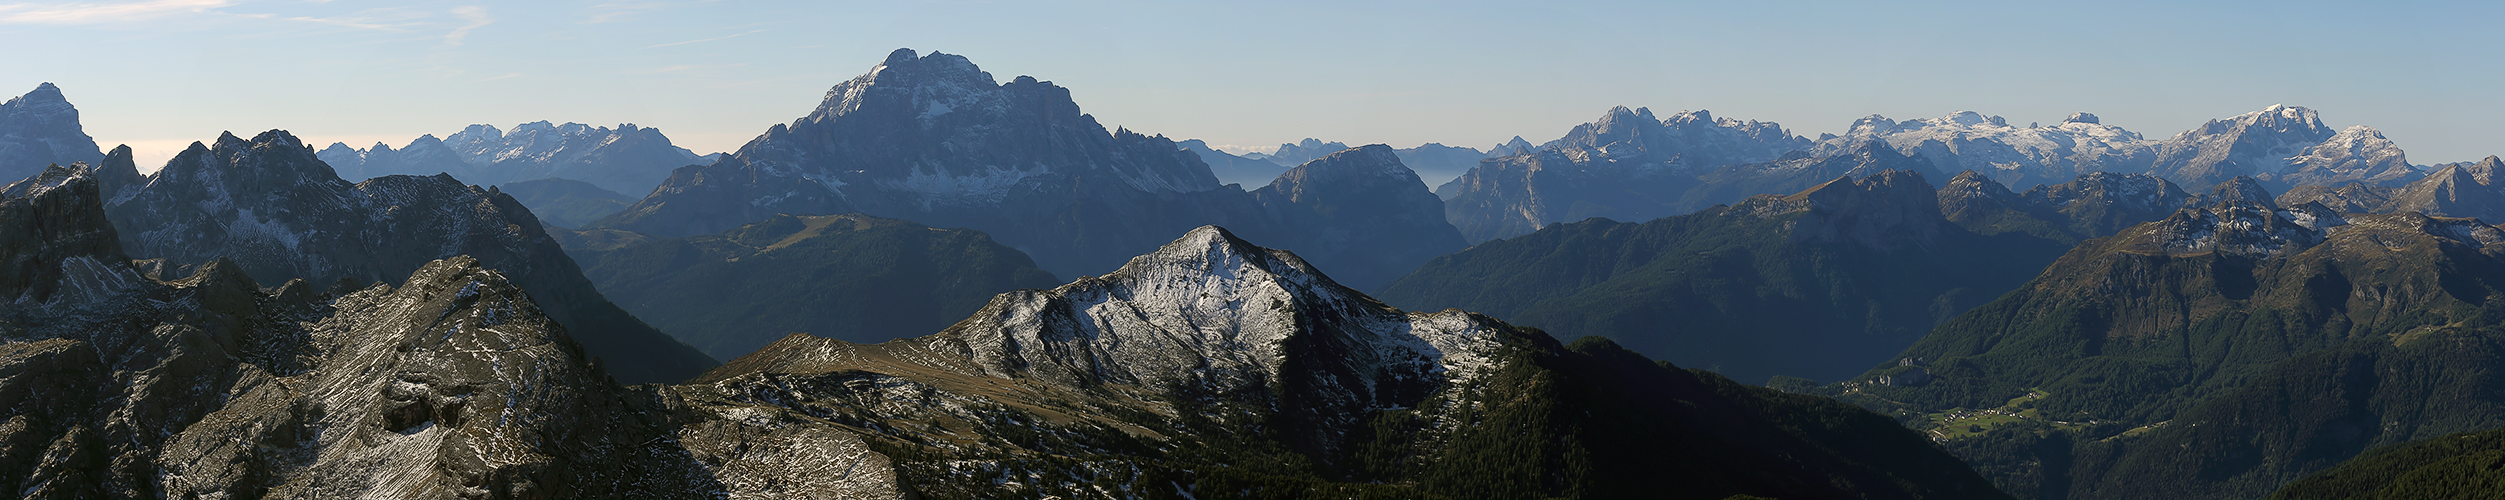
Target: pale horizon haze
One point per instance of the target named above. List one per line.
(158, 75)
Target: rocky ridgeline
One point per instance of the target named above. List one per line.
(278, 213)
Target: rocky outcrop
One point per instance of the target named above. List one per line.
(41, 128)
(1233, 169)
(280, 213)
(58, 216)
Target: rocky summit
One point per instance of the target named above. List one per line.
(39, 129)
(270, 206)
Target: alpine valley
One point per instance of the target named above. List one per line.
(940, 285)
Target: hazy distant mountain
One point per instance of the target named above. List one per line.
(1627, 165)
(1434, 163)
(935, 140)
(278, 213)
(39, 129)
(1821, 283)
(848, 277)
(1360, 209)
(1233, 169)
(628, 159)
(1297, 153)
(1437, 164)
(566, 202)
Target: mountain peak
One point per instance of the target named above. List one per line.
(2082, 117)
(901, 56)
(1215, 253)
(45, 92)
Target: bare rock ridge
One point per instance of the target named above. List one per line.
(452, 385)
(41, 128)
(935, 140)
(279, 213)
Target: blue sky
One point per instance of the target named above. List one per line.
(713, 74)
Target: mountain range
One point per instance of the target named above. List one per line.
(1625, 166)
(1628, 165)
(626, 159)
(938, 285)
(276, 212)
(1281, 383)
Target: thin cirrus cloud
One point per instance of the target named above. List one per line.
(703, 40)
(102, 13)
(475, 15)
